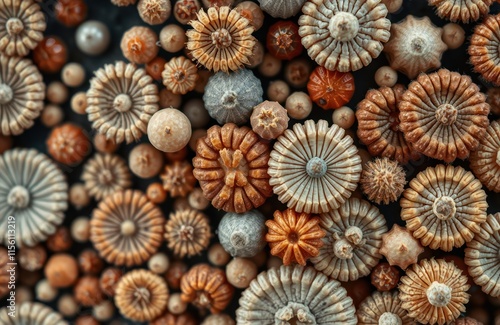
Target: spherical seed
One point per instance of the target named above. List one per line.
(93, 37)
(186, 10)
(196, 112)
(155, 67)
(382, 180)
(386, 76)
(453, 35)
(103, 311)
(278, 91)
(78, 196)
(270, 66)
(51, 115)
(240, 271)
(61, 270)
(71, 13)
(154, 12)
(344, 117)
(269, 120)
(242, 235)
(145, 161)
(297, 72)
(32, 258)
(217, 255)
(80, 229)
(175, 304)
(44, 291)
(172, 38)
(103, 145)
(169, 130)
(298, 105)
(60, 241)
(159, 263)
(50, 55)
(87, 291)
(73, 75)
(67, 305)
(68, 144)
(156, 193)
(197, 200)
(89, 262)
(174, 274)
(79, 102)
(57, 93)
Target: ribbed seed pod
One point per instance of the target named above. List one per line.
(444, 207)
(187, 232)
(482, 57)
(383, 308)
(482, 255)
(352, 242)
(31, 313)
(314, 168)
(281, 8)
(178, 179)
(33, 195)
(295, 293)
(463, 11)
(382, 180)
(434, 292)
(485, 161)
(180, 75)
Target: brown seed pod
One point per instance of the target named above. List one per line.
(294, 237)
(206, 287)
(4, 274)
(32, 258)
(221, 39)
(105, 174)
(141, 295)
(483, 59)
(126, 229)
(231, 166)
(384, 277)
(463, 11)
(174, 274)
(352, 242)
(482, 256)
(61, 270)
(298, 293)
(170, 319)
(434, 292)
(68, 144)
(87, 291)
(382, 180)
(31, 313)
(378, 124)
(269, 120)
(89, 262)
(186, 10)
(383, 308)
(485, 161)
(178, 179)
(444, 115)
(180, 75)
(415, 46)
(138, 44)
(109, 280)
(187, 233)
(444, 207)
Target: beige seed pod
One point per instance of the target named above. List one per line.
(383, 308)
(154, 12)
(269, 120)
(138, 44)
(180, 75)
(400, 248)
(187, 232)
(31, 313)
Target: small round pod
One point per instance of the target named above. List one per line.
(186, 10)
(80, 229)
(145, 161)
(159, 263)
(92, 37)
(172, 38)
(298, 105)
(240, 271)
(61, 270)
(242, 235)
(67, 305)
(169, 130)
(44, 291)
(269, 120)
(103, 311)
(138, 44)
(73, 74)
(154, 12)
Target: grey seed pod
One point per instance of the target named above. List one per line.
(243, 234)
(230, 97)
(281, 8)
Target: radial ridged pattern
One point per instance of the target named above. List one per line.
(444, 115)
(344, 35)
(352, 242)
(180, 75)
(31, 313)
(314, 168)
(126, 228)
(295, 293)
(482, 255)
(187, 232)
(22, 92)
(33, 191)
(221, 39)
(383, 308)
(382, 180)
(121, 100)
(461, 10)
(483, 49)
(485, 161)
(22, 24)
(378, 124)
(281, 8)
(434, 292)
(141, 295)
(444, 207)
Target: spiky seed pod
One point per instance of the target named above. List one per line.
(187, 232)
(269, 120)
(383, 180)
(400, 248)
(178, 179)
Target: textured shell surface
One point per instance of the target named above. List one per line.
(31, 313)
(33, 190)
(295, 293)
(485, 161)
(230, 97)
(381, 308)
(281, 8)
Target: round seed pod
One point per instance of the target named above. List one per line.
(93, 37)
(384, 309)
(154, 12)
(281, 8)
(240, 271)
(61, 270)
(169, 130)
(242, 235)
(269, 120)
(87, 291)
(32, 313)
(145, 161)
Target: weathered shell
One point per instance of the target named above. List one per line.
(485, 161)
(382, 180)
(483, 58)
(314, 168)
(461, 10)
(482, 256)
(344, 36)
(400, 248)
(34, 191)
(279, 295)
(281, 8)
(269, 120)
(231, 97)
(187, 232)
(444, 207)
(383, 308)
(31, 313)
(242, 235)
(352, 242)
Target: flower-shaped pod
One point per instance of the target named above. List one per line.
(31, 313)
(483, 49)
(485, 161)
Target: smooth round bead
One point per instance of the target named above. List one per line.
(92, 37)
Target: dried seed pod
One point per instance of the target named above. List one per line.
(126, 229)
(485, 161)
(444, 207)
(281, 8)
(314, 168)
(443, 114)
(178, 179)
(464, 11)
(297, 72)
(269, 120)
(230, 98)
(434, 292)
(180, 75)
(22, 92)
(382, 180)
(89, 262)
(400, 248)
(4, 274)
(242, 235)
(168, 318)
(378, 124)
(109, 280)
(32, 258)
(169, 130)
(70, 13)
(50, 55)
(145, 161)
(68, 144)
(283, 40)
(186, 10)
(187, 233)
(206, 287)
(33, 193)
(314, 299)
(61, 270)
(154, 12)
(352, 242)
(251, 11)
(31, 313)
(59, 241)
(294, 237)
(87, 291)
(483, 59)
(141, 295)
(105, 174)
(344, 37)
(384, 277)
(383, 308)
(415, 46)
(482, 256)
(221, 39)
(330, 89)
(121, 100)
(138, 44)
(23, 24)
(231, 166)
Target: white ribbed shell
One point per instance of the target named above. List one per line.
(281, 8)
(31, 313)
(288, 167)
(41, 189)
(373, 307)
(308, 294)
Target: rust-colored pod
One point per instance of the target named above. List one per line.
(283, 40)
(330, 89)
(68, 144)
(50, 55)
